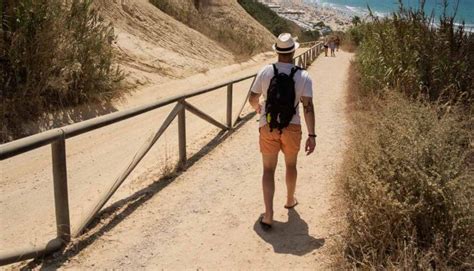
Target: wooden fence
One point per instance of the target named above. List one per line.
(57, 139)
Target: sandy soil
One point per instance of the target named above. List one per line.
(206, 217)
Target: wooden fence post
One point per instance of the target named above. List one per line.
(229, 106)
(61, 201)
(182, 136)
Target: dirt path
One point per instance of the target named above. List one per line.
(206, 218)
(95, 159)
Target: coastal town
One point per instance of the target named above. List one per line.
(311, 16)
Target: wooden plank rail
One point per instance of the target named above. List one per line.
(57, 139)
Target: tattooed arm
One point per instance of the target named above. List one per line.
(310, 123)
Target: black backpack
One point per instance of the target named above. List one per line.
(280, 104)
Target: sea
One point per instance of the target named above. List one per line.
(465, 11)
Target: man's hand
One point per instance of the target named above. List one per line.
(310, 145)
(258, 108)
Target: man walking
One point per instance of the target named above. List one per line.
(283, 86)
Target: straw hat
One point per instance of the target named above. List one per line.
(285, 44)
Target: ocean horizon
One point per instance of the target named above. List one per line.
(465, 11)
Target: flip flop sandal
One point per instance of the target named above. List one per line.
(292, 206)
(265, 226)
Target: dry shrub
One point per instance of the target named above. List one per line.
(408, 181)
(408, 175)
(54, 54)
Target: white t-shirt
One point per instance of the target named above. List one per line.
(303, 87)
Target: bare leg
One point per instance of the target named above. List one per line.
(268, 183)
(291, 175)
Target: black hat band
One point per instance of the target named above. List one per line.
(285, 49)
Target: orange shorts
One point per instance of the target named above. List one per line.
(288, 141)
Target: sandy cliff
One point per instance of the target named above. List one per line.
(224, 21)
(154, 46)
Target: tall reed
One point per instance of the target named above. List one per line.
(413, 52)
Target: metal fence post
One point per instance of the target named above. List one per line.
(61, 201)
(229, 106)
(182, 136)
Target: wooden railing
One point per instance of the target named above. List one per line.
(57, 139)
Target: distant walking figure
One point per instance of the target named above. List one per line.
(338, 43)
(326, 46)
(283, 86)
(332, 46)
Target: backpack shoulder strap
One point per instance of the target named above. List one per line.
(294, 70)
(275, 70)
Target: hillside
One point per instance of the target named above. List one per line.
(153, 45)
(151, 48)
(223, 21)
(274, 23)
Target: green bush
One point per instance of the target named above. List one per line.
(276, 24)
(354, 35)
(54, 55)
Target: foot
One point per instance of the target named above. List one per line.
(266, 218)
(265, 223)
(291, 204)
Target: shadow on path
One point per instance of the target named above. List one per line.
(290, 237)
(111, 216)
(63, 117)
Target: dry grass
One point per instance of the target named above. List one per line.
(408, 176)
(408, 181)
